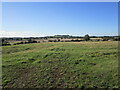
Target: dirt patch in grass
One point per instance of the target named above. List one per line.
(57, 81)
(23, 78)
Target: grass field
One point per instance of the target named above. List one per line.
(61, 65)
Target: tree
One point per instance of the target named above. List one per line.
(3, 40)
(86, 37)
(29, 40)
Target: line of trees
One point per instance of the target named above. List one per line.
(86, 37)
(5, 41)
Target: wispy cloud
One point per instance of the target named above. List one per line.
(4, 33)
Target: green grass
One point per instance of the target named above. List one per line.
(61, 65)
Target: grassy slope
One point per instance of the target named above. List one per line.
(61, 64)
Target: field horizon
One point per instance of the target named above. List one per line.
(47, 45)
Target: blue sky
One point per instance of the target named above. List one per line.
(51, 18)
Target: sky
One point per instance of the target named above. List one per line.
(59, 18)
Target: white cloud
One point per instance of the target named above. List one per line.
(4, 33)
